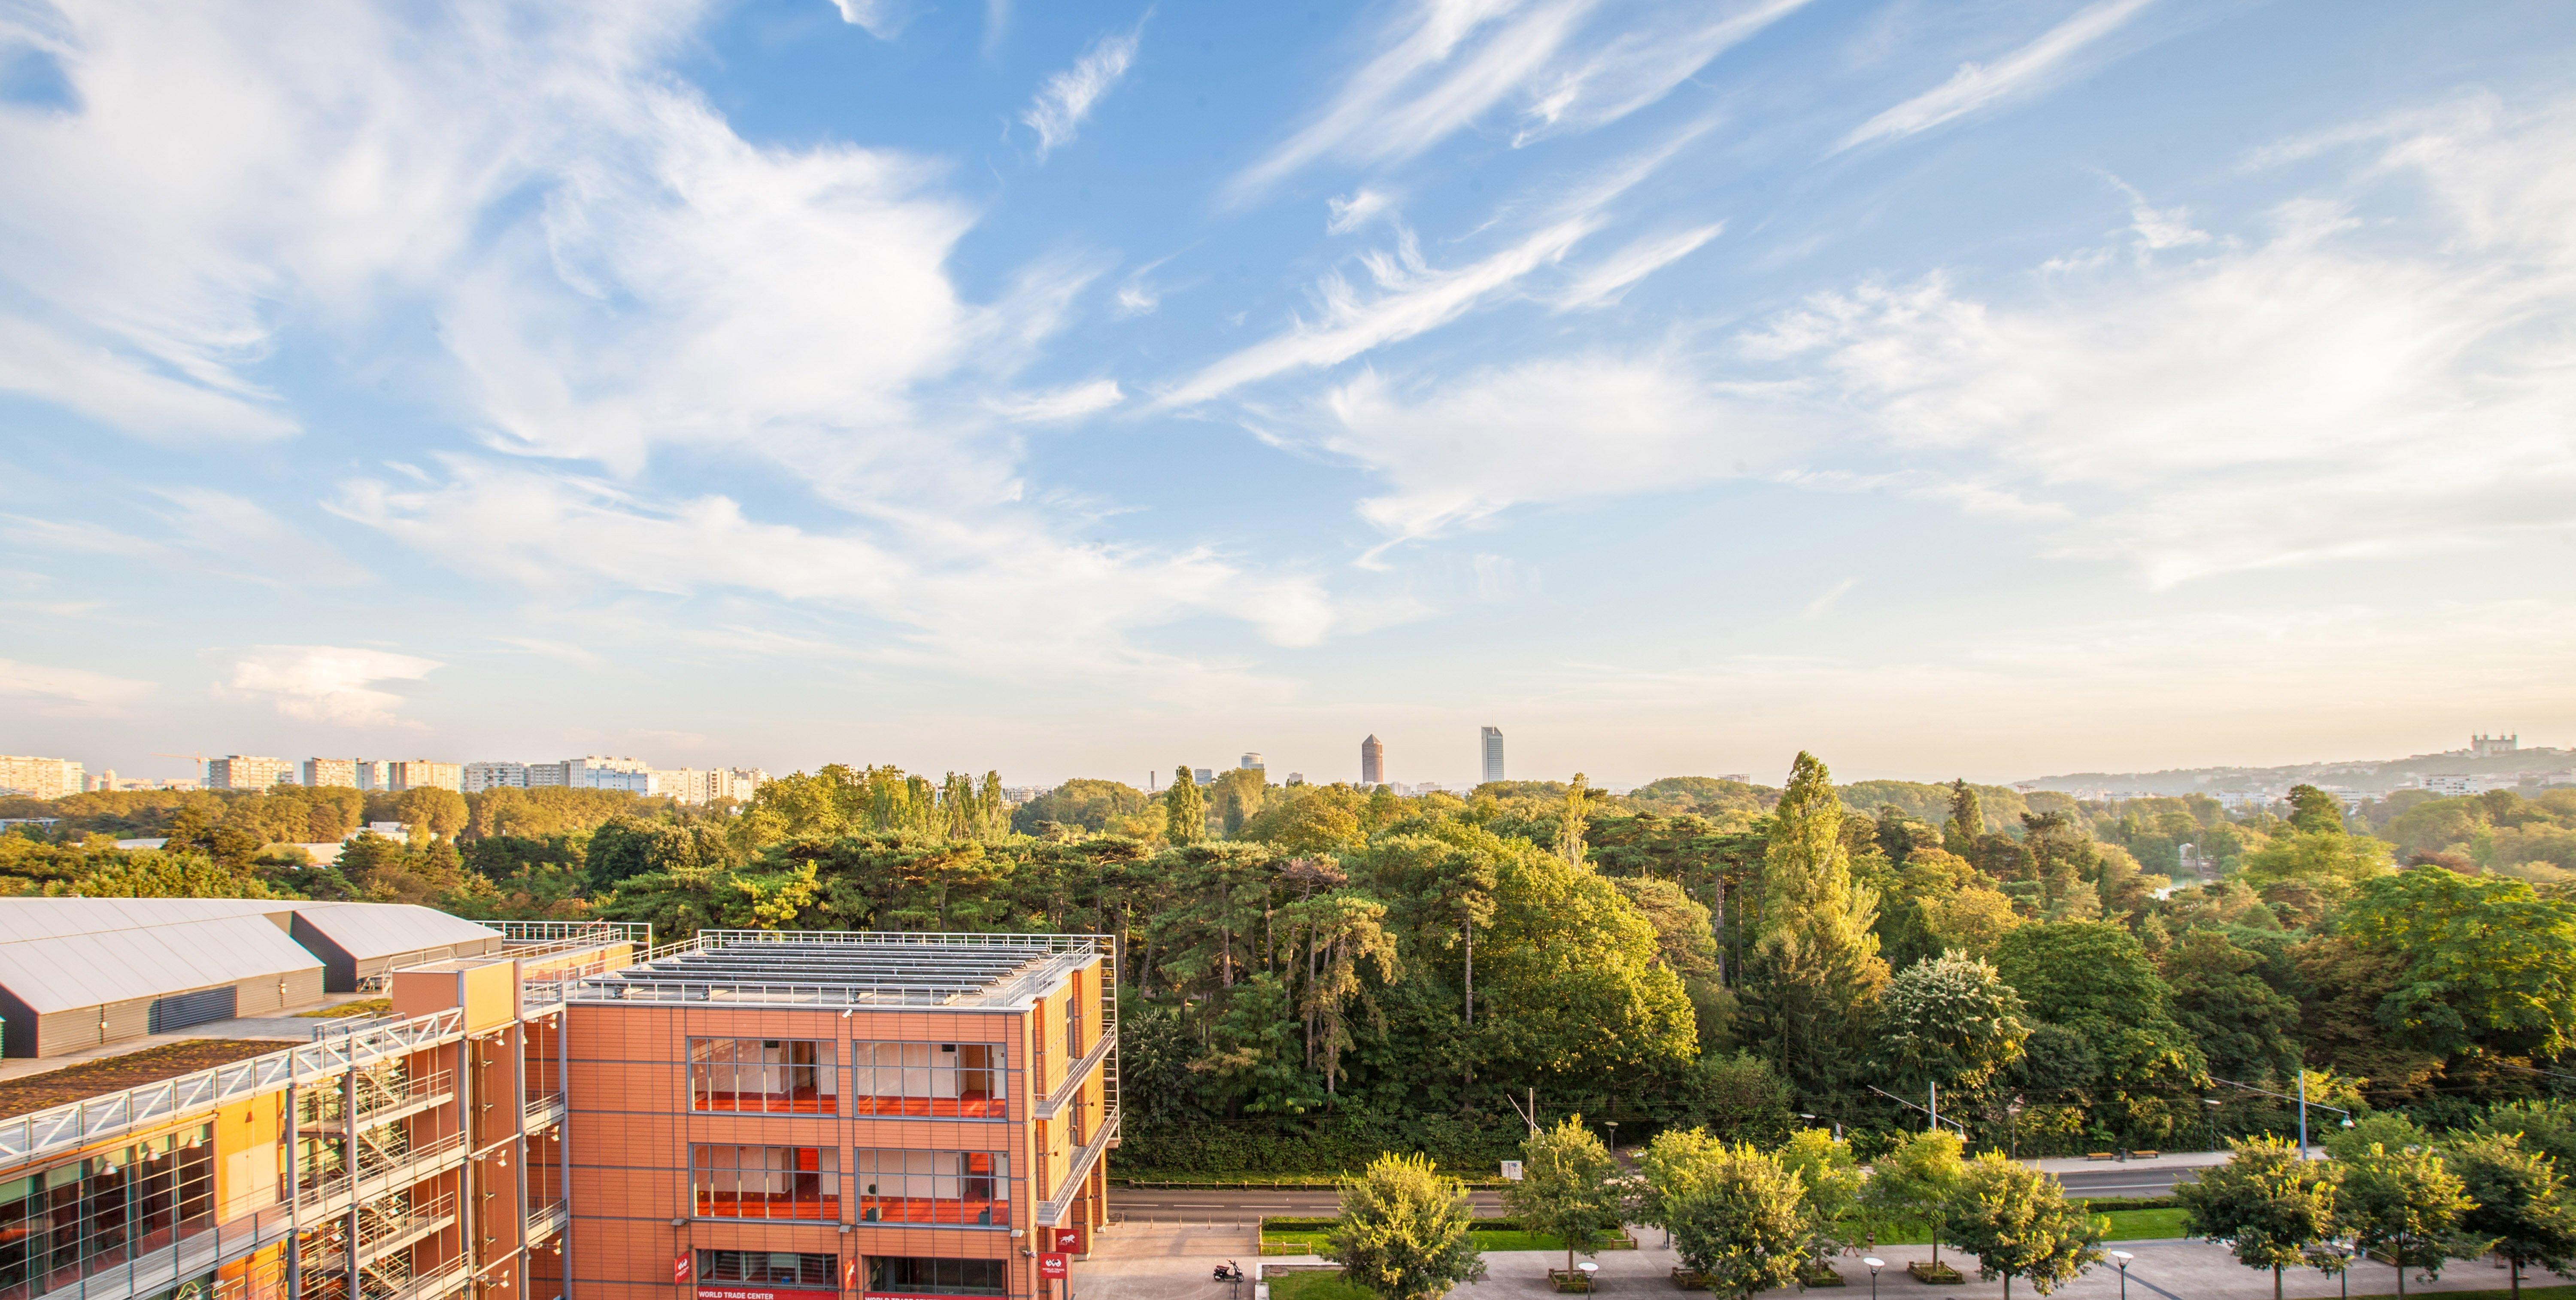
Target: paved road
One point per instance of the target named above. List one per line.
(1244, 1206)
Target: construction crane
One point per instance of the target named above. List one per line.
(201, 765)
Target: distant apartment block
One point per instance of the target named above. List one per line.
(42, 778)
(1203, 775)
(1493, 747)
(2451, 784)
(1296, 778)
(1252, 761)
(495, 776)
(1372, 762)
(421, 774)
(331, 771)
(247, 772)
(594, 772)
(741, 783)
(371, 775)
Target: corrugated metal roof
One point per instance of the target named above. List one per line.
(366, 930)
(60, 953)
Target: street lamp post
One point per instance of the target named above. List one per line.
(2212, 1104)
(1875, 1264)
(2122, 1258)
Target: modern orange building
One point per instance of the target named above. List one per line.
(746, 1115)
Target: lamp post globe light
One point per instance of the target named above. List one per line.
(1875, 1264)
(2122, 1258)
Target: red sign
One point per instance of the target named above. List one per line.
(740, 1291)
(850, 1273)
(1052, 1265)
(680, 1268)
(1069, 1240)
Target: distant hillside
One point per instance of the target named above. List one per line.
(2536, 766)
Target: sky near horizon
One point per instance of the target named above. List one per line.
(1991, 388)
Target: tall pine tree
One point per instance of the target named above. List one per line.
(1967, 820)
(1816, 973)
(1184, 812)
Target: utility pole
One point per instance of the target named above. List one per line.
(1936, 1109)
(2303, 1113)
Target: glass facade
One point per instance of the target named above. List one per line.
(741, 1182)
(945, 1188)
(771, 1267)
(909, 1275)
(940, 1080)
(778, 1076)
(80, 1216)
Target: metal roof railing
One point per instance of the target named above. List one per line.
(841, 968)
(76, 1123)
(639, 933)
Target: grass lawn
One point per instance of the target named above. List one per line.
(361, 1007)
(1316, 1286)
(2126, 1225)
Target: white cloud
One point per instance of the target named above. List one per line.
(1441, 65)
(1541, 431)
(1607, 280)
(1826, 599)
(883, 19)
(1068, 97)
(67, 692)
(1352, 212)
(1415, 298)
(130, 392)
(1067, 403)
(2323, 391)
(996, 593)
(1977, 85)
(333, 684)
(234, 533)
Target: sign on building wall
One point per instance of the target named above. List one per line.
(1053, 1265)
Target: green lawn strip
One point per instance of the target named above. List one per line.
(1316, 1286)
(2126, 1225)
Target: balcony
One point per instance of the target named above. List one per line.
(545, 1221)
(379, 1173)
(544, 1110)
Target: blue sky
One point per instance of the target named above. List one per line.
(1992, 387)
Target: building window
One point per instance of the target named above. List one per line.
(781, 1268)
(60, 1224)
(907, 1275)
(1073, 1021)
(943, 1080)
(780, 1076)
(736, 1182)
(948, 1188)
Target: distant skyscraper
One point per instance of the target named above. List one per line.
(1372, 762)
(1252, 761)
(1493, 753)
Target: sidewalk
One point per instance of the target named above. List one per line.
(2169, 1160)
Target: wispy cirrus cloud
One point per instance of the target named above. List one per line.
(341, 685)
(68, 692)
(1978, 85)
(1604, 282)
(1441, 66)
(1065, 101)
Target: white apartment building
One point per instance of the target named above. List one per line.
(2451, 785)
(247, 772)
(42, 778)
(331, 771)
(422, 774)
(496, 775)
(737, 783)
(594, 772)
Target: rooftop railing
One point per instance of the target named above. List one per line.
(660, 979)
(76, 1123)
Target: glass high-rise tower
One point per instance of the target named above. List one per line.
(1493, 753)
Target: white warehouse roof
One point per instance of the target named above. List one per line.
(57, 954)
(365, 930)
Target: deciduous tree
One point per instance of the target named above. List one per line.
(2018, 1223)
(2271, 1208)
(1404, 1230)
